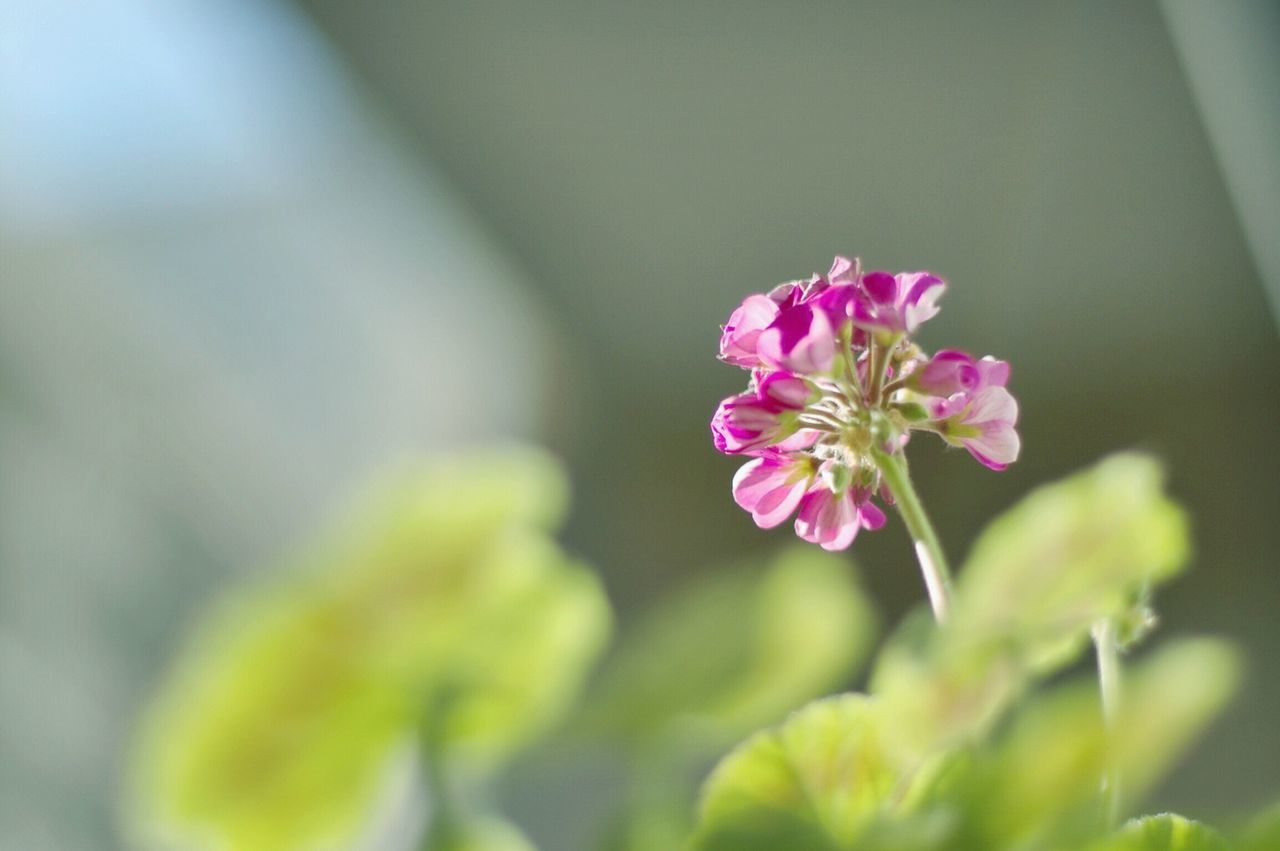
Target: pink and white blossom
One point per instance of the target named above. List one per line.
(819, 427)
(952, 371)
(767, 415)
(899, 303)
(832, 520)
(771, 486)
(983, 423)
(742, 331)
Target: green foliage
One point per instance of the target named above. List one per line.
(923, 763)
(447, 630)
(830, 778)
(481, 834)
(813, 783)
(1263, 832)
(1039, 785)
(715, 660)
(736, 650)
(1067, 556)
(1164, 832)
(448, 615)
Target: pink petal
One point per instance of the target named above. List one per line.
(922, 291)
(803, 439)
(785, 389)
(995, 373)
(992, 404)
(843, 271)
(947, 372)
(742, 331)
(997, 446)
(799, 340)
(829, 521)
(881, 287)
(770, 489)
(871, 516)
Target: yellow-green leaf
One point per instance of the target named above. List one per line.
(1068, 555)
(813, 784)
(446, 611)
(1044, 780)
(1165, 832)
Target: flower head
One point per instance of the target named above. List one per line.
(837, 381)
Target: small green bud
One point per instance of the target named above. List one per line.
(913, 412)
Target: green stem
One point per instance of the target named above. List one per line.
(933, 562)
(877, 357)
(444, 816)
(1104, 640)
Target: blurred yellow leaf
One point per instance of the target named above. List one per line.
(1165, 832)
(448, 611)
(810, 785)
(1068, 555)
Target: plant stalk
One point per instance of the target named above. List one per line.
(1104, 641)
(933, 562)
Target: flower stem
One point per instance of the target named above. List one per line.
(877, 358)
(933, 562)
(1104, 641)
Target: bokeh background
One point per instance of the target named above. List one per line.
(253, 252)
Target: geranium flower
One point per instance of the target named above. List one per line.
(837, 387)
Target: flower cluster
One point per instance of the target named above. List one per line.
(836, 383)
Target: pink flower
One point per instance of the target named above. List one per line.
(740, 336)
(983, 423)
(832, 520)
(952, 371)
(767, 415)
(800, 340)
(897, 303)
(742, 331)
(771, 486)
(837, 384)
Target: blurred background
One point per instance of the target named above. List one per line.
(253, 252)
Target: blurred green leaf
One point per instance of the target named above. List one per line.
(738, 649)
(1067, 555)
(1165, 832)
(1262, 833)
(1071, 553)
(812, 784)
(910, 767)
(1040, 788)
(485, 834)
(448, 610)
(832, 778)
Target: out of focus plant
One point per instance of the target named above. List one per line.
(437, 635)
(446, 626)
(730, 652)
(418, 652)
